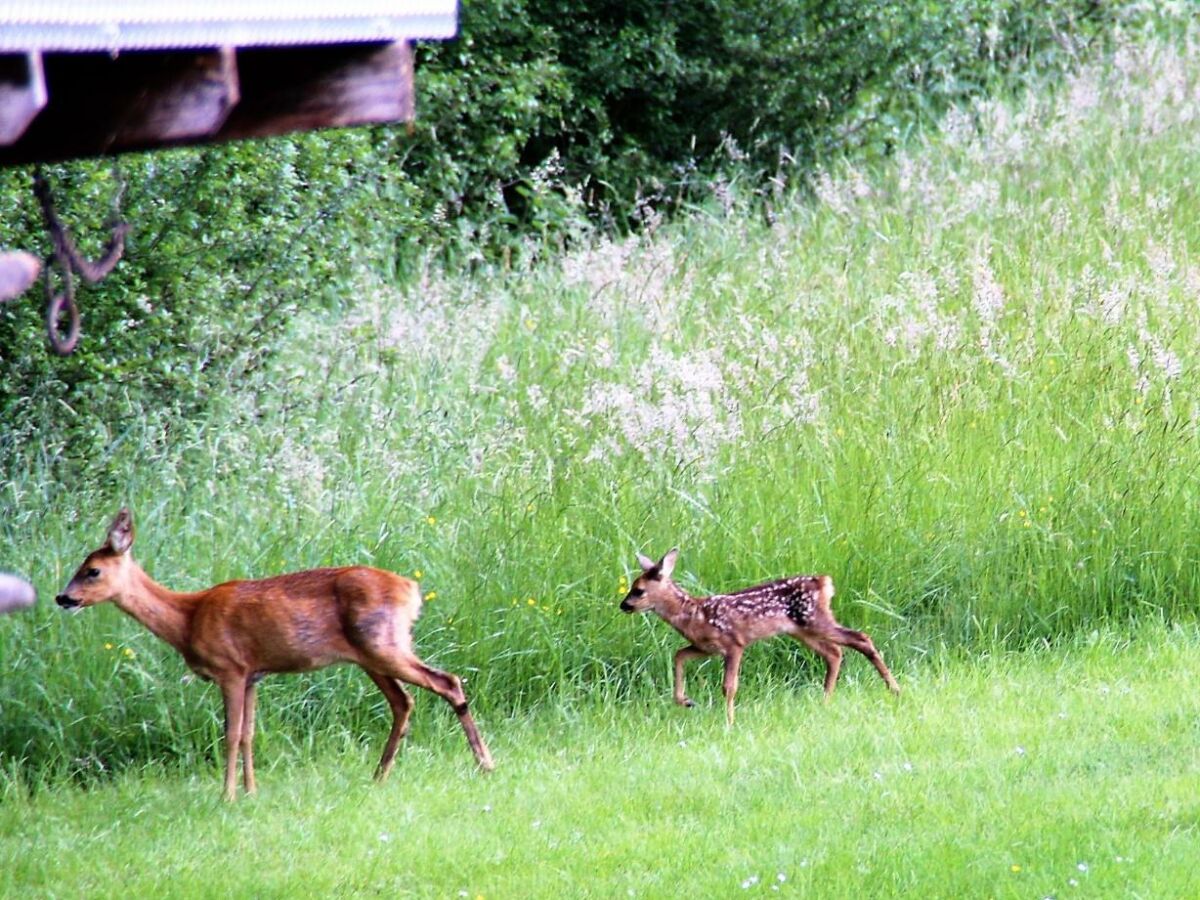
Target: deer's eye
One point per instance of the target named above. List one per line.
(92, 573)
(636, 592)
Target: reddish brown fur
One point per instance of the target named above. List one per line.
(237, 632)
(725, 624)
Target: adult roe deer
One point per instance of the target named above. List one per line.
(239, 631)
(725, 624)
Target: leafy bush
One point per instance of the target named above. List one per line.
(544, 116)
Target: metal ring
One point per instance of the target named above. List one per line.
(61, 345)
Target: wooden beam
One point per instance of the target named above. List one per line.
(192, 100)
(300, 89)
(22, 93)
(100, 105)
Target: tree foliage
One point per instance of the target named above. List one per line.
(544, 113)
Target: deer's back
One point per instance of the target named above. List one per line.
(304, 620)
(767, 609)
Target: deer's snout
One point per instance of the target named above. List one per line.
(66, 602)
(626, 606)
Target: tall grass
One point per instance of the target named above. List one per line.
(963, 383)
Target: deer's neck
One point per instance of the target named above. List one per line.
(167, 613)
(682, 612)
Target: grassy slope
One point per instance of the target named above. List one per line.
(1020, 775)
(964, 384)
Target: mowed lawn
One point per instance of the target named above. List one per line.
(1068, 771)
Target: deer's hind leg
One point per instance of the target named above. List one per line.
(733, 665)
(401, 703)
(857, 640)
(828, 651)
(408, 668)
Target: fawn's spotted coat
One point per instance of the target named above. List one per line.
(725, 624)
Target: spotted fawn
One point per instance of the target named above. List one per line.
(726, 624)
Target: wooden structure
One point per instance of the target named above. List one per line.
(97, 77)
(85, 78)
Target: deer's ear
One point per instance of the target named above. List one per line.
(667, 564)
(646, 562)
(120, 532)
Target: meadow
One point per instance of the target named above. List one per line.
(961, 381)
(1020, 775)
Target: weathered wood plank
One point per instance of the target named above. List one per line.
(321, 87)
(22, 93)
(98, 104)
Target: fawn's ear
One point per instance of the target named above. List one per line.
(667, 564)
(646, 562)
(120, 532)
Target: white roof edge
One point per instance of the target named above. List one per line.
(95, 25)
(84, 38)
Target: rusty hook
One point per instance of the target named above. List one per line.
(62, 343)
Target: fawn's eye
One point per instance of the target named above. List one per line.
(636, 592)
(92, 573)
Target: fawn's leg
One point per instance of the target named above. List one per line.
(733, 662)
(859, 641)
(401, 703)
(682, 656)
(248, 739)
(828, 651)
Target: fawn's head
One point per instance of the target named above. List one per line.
(653, 585)
(105, 572)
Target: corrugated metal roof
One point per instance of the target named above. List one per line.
(112, 25)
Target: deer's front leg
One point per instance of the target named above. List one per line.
(247, 741)
(681, 657)
(234, 692)
(733, 663)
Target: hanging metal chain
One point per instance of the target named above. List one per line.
(70, 261)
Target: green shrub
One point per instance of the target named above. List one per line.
(543, 118)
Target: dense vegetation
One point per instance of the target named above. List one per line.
(956, 369)
(961, 381)
(542, 121)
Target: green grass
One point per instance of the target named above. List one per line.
(964, 383)
(1064, 772)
